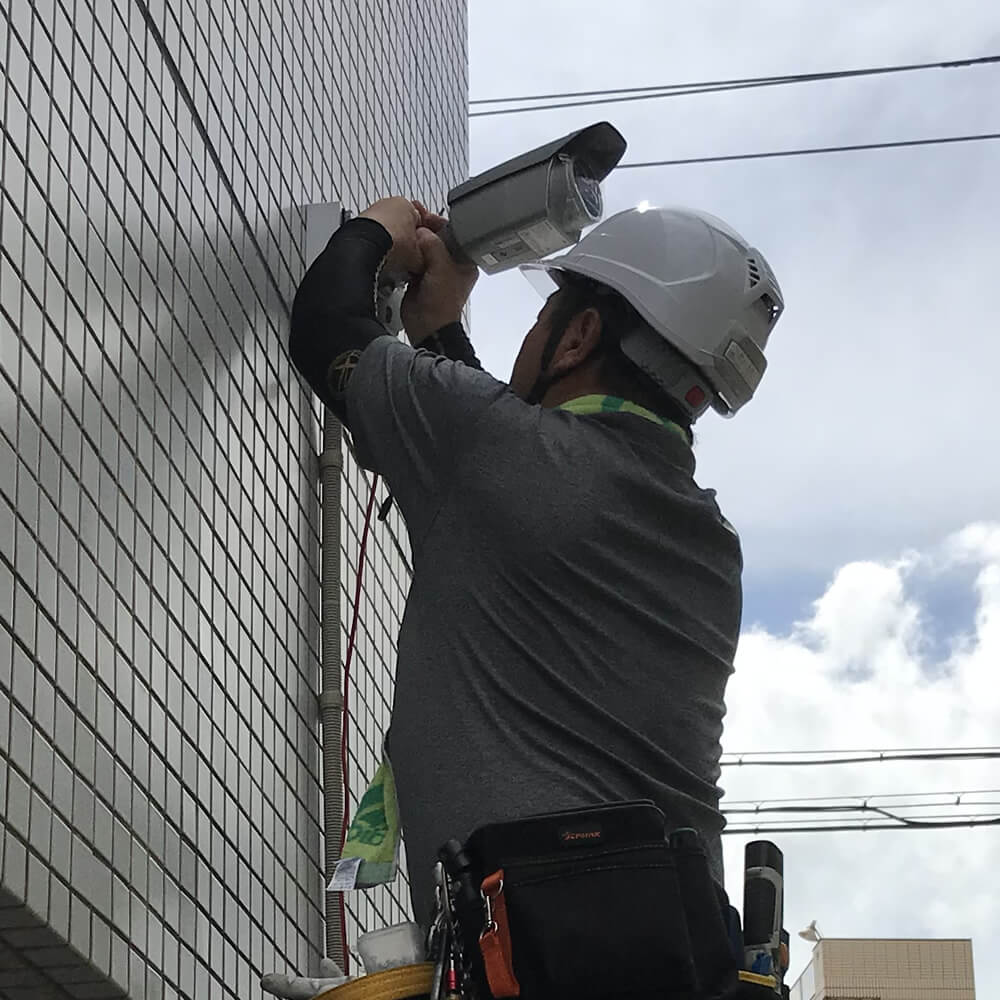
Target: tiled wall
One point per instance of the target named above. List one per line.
(888, 969)
(159, 589)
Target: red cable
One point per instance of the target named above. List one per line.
(352, 636)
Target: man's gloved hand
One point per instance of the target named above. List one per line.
(400, 218)
(304, 987)
(437, 297)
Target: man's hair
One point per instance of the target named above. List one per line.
(618, 317)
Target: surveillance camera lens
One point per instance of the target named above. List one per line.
(589, 191)
(574, 196)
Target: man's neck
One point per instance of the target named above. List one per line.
(579, 384)
(573, 387)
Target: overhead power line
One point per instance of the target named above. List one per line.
(951, 799)
(811, 151)
(968, 800)
(861, 827)
(923, 811)
(917, 819)
(860, 807)
(823, 758)
(624, 94)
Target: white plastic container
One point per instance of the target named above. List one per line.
(390, 947)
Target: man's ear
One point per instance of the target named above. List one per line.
(579, 342)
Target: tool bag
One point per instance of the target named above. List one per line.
(590, 904)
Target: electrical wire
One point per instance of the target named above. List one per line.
(691, 92)
(826, 750)
(894, 810)
(955, 798)
(404, 560)
(706, 87)
(848, 807)
(807, 758)
(932, 814)
(919, 818)
(862, 827)
(811, 151)
(739, 81)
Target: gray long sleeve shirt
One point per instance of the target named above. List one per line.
(573, 613)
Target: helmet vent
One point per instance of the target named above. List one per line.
(753, 273)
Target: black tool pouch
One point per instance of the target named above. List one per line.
(592, 903)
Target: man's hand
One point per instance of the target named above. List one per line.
(438, 296)
(400, 218)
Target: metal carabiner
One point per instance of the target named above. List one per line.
(489, 924)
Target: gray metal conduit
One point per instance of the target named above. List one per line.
(331, 698)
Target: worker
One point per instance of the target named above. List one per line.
(575, 602)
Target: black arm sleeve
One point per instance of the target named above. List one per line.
(333, 316)
(452, 342)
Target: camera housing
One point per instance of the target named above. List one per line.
(534, 204)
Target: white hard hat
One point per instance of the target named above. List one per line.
(703, 290)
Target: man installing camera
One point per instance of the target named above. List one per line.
(575, 603)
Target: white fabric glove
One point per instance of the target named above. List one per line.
(304, 987)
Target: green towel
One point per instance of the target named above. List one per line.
(371, 851)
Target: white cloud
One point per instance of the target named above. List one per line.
(881, 621)
(856, 675)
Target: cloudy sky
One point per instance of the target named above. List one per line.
(864, 479)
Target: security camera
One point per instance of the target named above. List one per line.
(535, 204)
(522, 210)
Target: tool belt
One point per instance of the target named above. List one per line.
(592, 904)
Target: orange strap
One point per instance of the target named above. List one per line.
(494, 942)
